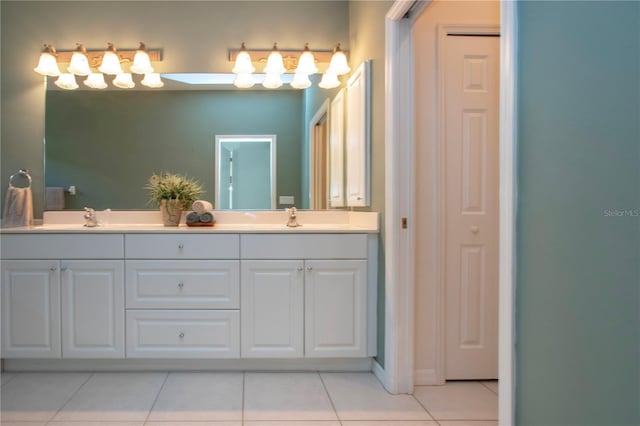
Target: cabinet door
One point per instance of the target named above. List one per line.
(92, 308)
(358, 137)
(335, 308)
(336, 151)
(272, 295)
(30, 309)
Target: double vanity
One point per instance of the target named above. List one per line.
(249, 289)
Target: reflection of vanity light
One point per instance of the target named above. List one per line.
(244, 81)
(95, 81)
(124, 80)
(47, 65)
(329, 81)
(300, 81)
(110, 61)
(141, 63)
(66, 81)
(272, 81)
(79, 63)
(152, 80)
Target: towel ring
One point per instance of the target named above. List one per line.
(23, 174)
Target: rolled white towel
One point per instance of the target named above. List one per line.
(207, 217)
(201, 206)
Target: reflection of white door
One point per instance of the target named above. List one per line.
(471, 127)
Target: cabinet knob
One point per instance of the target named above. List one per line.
(53, 269)
(180, 246)
(309, 268)
(475, 229)
(180, 284)
(63, 269)
(300, 268)
(181, 335)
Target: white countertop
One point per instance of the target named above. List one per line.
(311, 221)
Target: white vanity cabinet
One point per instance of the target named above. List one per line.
(187, 304)
(58, 301)
(305, 295)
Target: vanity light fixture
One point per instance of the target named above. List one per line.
(152, 80)
(141, 62)
(275, 63)
(124, 80)
(306, 62)
(243, 63)
(47, 65)
(95, 80)
(79, 64)
(338, 64)
(110, 61)
(66, 81)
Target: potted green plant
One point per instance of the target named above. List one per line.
(173, 193)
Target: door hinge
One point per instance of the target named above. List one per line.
(404, 223)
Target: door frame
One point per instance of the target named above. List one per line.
(397, 373)
(437, 304)
(323, 111)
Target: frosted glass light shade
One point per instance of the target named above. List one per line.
(95, 80)
(329, 81)
(275, 64)
(244, 81)
(124, 81)
(272, 81)
(243, 63)
(141, 62)
(47, 65)
(79, 64)
(338, 64)
(152, 80)
(300, 81)
(66, 81)
(110, 62)
(306, 63)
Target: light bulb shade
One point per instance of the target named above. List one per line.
(124, 80)
(95, 80)
(47, 65)
(243, 63)
(152, 80)
(272, 81)
(66, 81)
(306, 63)
(244, 81)
(79, 64)
(329, 81)
(275, 64)
(110, 62)
(300, 81)
(338, 64)
(141, 62)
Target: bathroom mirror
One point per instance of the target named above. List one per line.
(107, 144)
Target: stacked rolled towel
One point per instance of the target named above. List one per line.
(201, 213)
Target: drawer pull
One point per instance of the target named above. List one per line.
(63, 269)
(180, 246)
(53, 269)
(181, 335)
(180, 284)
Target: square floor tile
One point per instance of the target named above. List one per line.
(391, 423)
(286, 396)
(38, 396)
(293, 423)
(459, 401)
(199, 397)
(23, 423)
(89, 423)
(183, 423)
(468, 423)
(114, 397)
(360, 396)
(492, 385)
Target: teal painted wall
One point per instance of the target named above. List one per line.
(109, 143)
(577, 261)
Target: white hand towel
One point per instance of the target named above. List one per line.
(201, 206)
(18, 207)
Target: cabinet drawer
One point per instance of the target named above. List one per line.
(183, 334)
(183, 284)
(181, 246)
(324, 246)
(62, 246)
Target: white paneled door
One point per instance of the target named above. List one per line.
(471, 202)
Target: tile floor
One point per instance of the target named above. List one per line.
(236, 399)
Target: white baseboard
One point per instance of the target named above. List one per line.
(379, 372)
(426, 377)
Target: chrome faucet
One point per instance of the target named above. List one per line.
(90, 217)
(292, 221)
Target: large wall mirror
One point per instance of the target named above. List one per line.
(108, 143)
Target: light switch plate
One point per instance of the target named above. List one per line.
(287, 199)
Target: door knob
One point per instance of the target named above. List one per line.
(475, 229)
